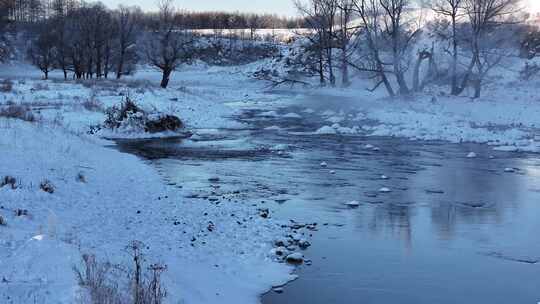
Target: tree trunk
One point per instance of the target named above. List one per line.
(345, 82)
(454, 89)
(165, 79)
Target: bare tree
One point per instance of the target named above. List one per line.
(344, 35)
(451, 9)
(369, 12)
(42, 50)
(127, 23)
(484, 18)
(167, 46)
(321, 17)
(5, 7)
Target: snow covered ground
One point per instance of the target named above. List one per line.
(104, 199)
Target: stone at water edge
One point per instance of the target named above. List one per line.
(385, 190)
(214, 179)
(471, 155)
(278, 290)
(295, 258)
(304, 244)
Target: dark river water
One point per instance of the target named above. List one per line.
(452, 229)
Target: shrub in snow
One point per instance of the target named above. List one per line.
(81, 178)
(47, 186)
(9, 181)
(21, 212)
(6, 86)
(104, 284)
(17, 111)
(129, 116)
(92, 104)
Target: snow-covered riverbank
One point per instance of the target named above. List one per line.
(101, 200)
(104, 199)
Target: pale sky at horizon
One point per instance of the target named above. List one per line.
(280, 7)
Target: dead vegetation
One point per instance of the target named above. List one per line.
(105, 284)
(47, 186)
(9, 181)
(17, 111)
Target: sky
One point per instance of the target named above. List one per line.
(280, 7)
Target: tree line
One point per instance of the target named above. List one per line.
(88, 40)
(386, 39)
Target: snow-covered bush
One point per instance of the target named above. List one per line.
(47, 186)
(105, 282)
(96, 278)
(17, 111)
(130, 117)
(6, 86)
(92, 104)
(8, 181)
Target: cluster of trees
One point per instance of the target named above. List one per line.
(87, 39)
(385, 40)
(225, 20)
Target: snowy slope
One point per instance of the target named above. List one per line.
(120, 200)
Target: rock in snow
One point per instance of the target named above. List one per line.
(295, 258)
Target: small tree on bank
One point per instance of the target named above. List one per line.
(167, 45)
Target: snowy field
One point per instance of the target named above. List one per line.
(103, 199)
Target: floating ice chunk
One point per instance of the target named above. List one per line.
(509, 170)
(384, 177)
(332, 172)
(326, 130)
(369, 146)
(471, 155)
(335, 119)
(345, 130)
(385, 190)
(353, 204)
(273, 128)
(291, 115)
(309, 111)
(324, 164)
(269, 113)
